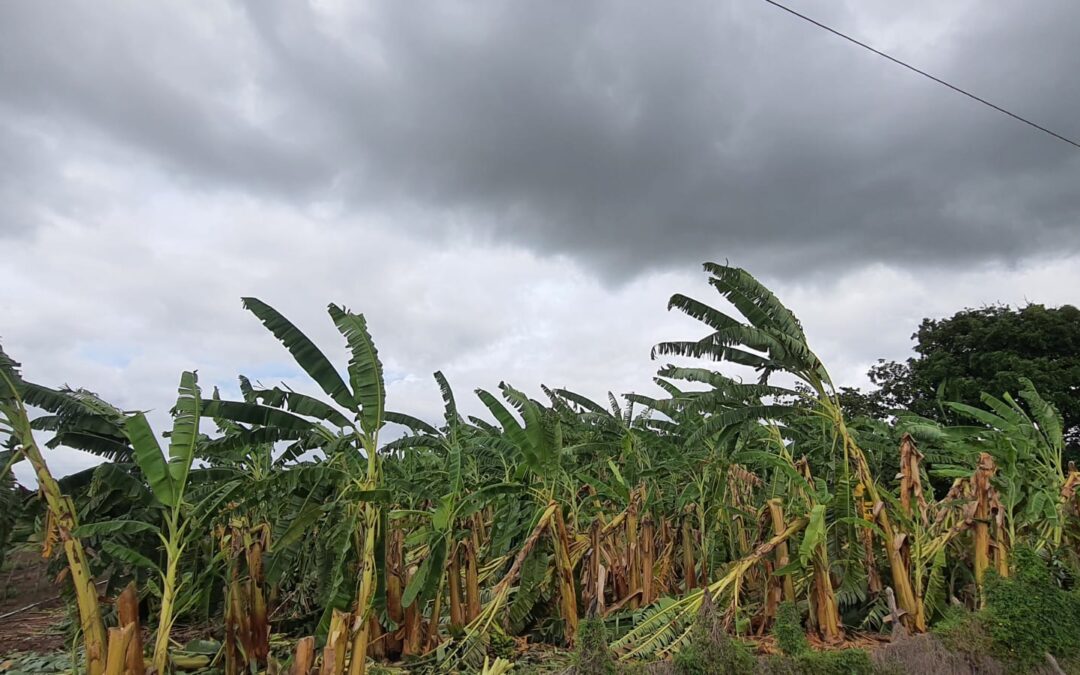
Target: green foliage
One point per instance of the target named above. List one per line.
(500, 645)
(989, 350)
(529, 590)
(307, 355)
(788, 630)
(168, 477)
(841, 662)
(365, 369)
(11, 505)
(592, 655)
(814, 534)
(1028, 615)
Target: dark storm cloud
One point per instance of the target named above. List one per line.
(629, 135)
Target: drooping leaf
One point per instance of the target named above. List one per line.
(414, 424)
(128, 555)
(150, 459)
(510, 425)
(423, 584)
(583, 401)
(302, 404)
(978, 414)
(118, 526)
(259, 415)
(304, 351)
(814, 535)
(474, 501)
(529, 589)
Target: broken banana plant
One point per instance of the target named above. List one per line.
(168, 480)
(61, 515)
(247, 627)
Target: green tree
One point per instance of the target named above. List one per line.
(988, 350)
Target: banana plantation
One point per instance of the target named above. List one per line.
(326, 531)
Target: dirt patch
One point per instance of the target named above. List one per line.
(31, 610)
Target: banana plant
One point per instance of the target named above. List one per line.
(447, 527)
(593, 432)
(1027, 448)
(536, 441)
(168, 479)
(287, 416)
(61, 510)
(9, 501)
(771, 340)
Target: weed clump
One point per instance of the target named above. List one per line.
(1028, 615)
(788, 630)
(711, 650)
(841, 662)
(591, 654)
(799, 659)
(500, 645)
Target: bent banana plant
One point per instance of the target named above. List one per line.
(60, 509)
(771, 340)
(168, 479)
(365, 397)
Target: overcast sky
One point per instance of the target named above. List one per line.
(511, 191)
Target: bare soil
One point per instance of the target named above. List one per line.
(31, 610)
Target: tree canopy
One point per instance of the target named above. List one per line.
(984, 350)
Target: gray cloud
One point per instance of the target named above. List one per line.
(474, 176)
(627, 135)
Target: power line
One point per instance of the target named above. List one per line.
(924, 74)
